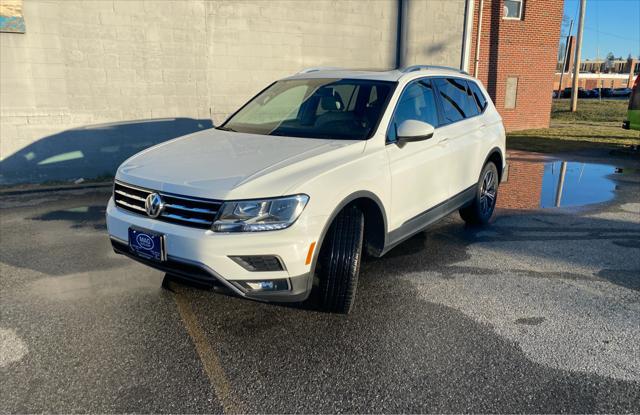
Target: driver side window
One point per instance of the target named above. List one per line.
(417, 102)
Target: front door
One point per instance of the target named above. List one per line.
(417, 180)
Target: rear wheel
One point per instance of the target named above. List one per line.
(481, 209)
(339, 261)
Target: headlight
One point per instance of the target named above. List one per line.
(259, 215)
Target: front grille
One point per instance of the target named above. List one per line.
(183, 210)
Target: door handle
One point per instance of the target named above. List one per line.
(443, 141)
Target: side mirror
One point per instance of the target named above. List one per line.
(413, 130)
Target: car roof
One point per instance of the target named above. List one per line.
(393, 75)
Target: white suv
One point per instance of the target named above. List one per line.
(279, 202)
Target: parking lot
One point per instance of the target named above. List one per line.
(539, 312)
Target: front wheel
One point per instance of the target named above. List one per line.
(339, 261)
(481, 208)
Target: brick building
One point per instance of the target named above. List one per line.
(619, 73)
(517, 57)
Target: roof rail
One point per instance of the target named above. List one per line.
(414, 68)
(320, 68)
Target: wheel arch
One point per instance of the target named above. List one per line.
(375, 223)
(496, 156)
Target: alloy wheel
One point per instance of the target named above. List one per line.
(488, 192)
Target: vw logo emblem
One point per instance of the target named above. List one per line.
(154, 205)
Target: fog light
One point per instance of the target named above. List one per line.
(259, 262)
(264, 285)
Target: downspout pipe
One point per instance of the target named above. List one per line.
(401, 35)
(476, 60)
(466, 35)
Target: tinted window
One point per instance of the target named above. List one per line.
(416, 103)
(316, 108)
(457, 104)
(479, 97)
(473, 105)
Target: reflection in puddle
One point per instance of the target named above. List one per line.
(536, 184)
(576, 184)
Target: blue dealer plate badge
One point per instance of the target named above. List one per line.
(147, 244)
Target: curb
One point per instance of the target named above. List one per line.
(60, 188)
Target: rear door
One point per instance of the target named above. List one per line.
(462, 132)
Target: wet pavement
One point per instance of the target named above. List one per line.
(539, 312)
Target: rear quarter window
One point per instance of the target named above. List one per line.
(478, 96)
(456, 100)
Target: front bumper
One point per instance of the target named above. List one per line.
(203, 255)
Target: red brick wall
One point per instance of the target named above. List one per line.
(526, 49)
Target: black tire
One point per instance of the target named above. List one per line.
(479, 212)
(339, 261)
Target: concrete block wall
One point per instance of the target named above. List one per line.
(253, 43)
(83, 63)
(435, 30)
(88, 62)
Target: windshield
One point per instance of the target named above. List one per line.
(317, 108)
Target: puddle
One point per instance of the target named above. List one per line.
(534, 184)
(576, 184)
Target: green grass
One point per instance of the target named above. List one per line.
(592, 110)
(595, 124)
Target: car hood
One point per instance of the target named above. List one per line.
(215, 163)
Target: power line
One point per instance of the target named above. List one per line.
(610, 34)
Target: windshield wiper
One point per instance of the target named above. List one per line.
(226, 129)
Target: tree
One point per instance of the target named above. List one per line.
(610, 57)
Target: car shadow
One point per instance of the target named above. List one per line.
(80, 217)
(92, 151)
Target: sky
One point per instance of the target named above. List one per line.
(610, 26)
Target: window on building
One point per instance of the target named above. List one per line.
(513, 9)
(417, 102)
(456, 102)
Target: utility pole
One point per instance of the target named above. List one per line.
(599, 76)
(576, 63)
(564, 61)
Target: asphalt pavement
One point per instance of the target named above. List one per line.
(539, 312)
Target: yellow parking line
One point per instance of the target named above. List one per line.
(208, 356)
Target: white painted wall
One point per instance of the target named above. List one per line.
(87, 62)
